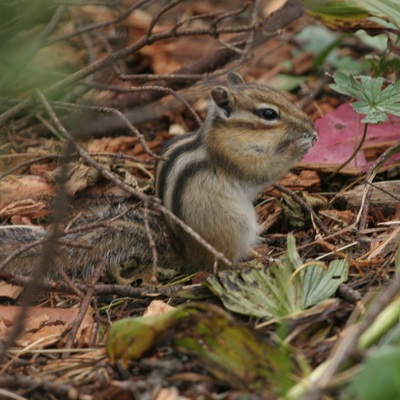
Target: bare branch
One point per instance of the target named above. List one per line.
(97, 26)
(217, 59)
(85, 303)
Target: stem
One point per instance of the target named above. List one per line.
(353, 155)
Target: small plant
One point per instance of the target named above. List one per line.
(285, 289)
(372, 100)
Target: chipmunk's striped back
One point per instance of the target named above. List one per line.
(186, 156)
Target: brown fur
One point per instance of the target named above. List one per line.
(240, 152)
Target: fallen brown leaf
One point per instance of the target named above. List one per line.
(44, 325)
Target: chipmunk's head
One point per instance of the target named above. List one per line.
(257, 129)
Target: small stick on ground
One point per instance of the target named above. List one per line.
(84, 307)
(362, 215)
(100, 289)
(68, 281)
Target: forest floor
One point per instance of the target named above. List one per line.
(55, 334)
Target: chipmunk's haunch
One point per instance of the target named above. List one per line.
(252, 135)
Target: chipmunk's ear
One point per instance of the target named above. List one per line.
(234, 78)
(223, 99)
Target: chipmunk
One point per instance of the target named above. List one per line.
(252, 135)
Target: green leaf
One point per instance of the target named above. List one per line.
(346, 84)
(318, 282)
(348, 64)
(371, 88)
(130, 338)
(378, 42)
(345, 14)
(382, 8)
(386, 320)
(233, 353)
(286, 82)
(372, 101)
(379, 379)
(335, 8)
(283, 289)
(390, 95)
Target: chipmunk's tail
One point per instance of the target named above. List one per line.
(121, 244)
(17, 248)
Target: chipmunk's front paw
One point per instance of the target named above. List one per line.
(307, 141)
(133, 271)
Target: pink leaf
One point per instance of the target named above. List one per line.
(340, 132)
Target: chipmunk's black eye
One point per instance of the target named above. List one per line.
(268, 113)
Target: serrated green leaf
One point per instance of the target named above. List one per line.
(346, 84)
(370, 88)
(390, 94)
(393, 109)
(375, 116)
(361, 107)
(374, 102)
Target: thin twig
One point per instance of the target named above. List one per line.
(57, 156)
(109, 60)
(100, 289)
(58, 390)
(362, 215)
(92, 27)
(157, 17)
(173, 93)
(111, 110)
(68, 281)
(29, 163)
(84, 307)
